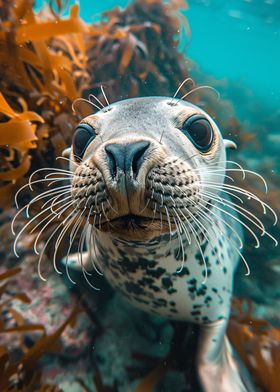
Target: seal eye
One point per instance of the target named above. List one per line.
(200, 131)
(83, 135)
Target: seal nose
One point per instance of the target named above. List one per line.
(127, 158)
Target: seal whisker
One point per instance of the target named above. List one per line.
(47, 193)
(181, 244)
(244, 261)
(110, 205)
(34, 182)
(196, 238)
(188, 237)
(241, 210)
(241, 222)
(215, 174)
(63, 232)
(203, 229)
(81, 249)
(74, 231)
(25, 227)
(154, 213)
(226, 187)
(146, 205)
(54, 196)
(209, 210)
(94, 230)
(84, 100)
(194, 90)
(66, 175)
(51, 218)
(100, 220)
(46, 169)
(228, 193)
(15, 218)
(199, 224)
(57, 180)
(169, 224)
(104, 95)
(80, 217)
(236, 164)
(244, 171)
(206, 217)
(97, 100)
(161, 225)
(181, 85)
(43, 252)
(80, 255)
(53, 213)
(248, 194)
(203, 216)
(68, 160)
(92, 246)
(104, 213)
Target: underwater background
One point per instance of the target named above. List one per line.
(55, 336)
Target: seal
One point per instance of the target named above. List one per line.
(148, 193)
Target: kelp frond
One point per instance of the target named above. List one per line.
(258, 344)
(23, 374)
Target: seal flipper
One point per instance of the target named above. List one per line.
(219, 370)
(74, 261)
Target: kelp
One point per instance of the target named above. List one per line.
(23, 374)
(258, 345)
(137, 54)
(46, 62)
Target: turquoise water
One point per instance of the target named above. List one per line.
(234, 40)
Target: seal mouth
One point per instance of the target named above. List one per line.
(132, 226)
(129, 222)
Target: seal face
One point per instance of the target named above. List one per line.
(141, 162)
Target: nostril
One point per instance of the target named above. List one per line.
(126, 158)
(138, 158)
(112, 164)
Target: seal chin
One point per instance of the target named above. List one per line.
(134, 227)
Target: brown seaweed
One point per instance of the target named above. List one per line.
(46, 62)
(23, 375)
(258, 345)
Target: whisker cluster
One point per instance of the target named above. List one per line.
(218, 210)
(52, 205)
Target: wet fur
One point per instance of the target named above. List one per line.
(169, 239)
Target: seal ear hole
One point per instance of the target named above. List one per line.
(199, 130)
(84, 134)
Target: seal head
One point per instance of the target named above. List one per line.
(141, 162)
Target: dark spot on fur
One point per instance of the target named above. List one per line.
(184, 272)
(156, 273)
(134, 288)
(195, 313)
(166, 282)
